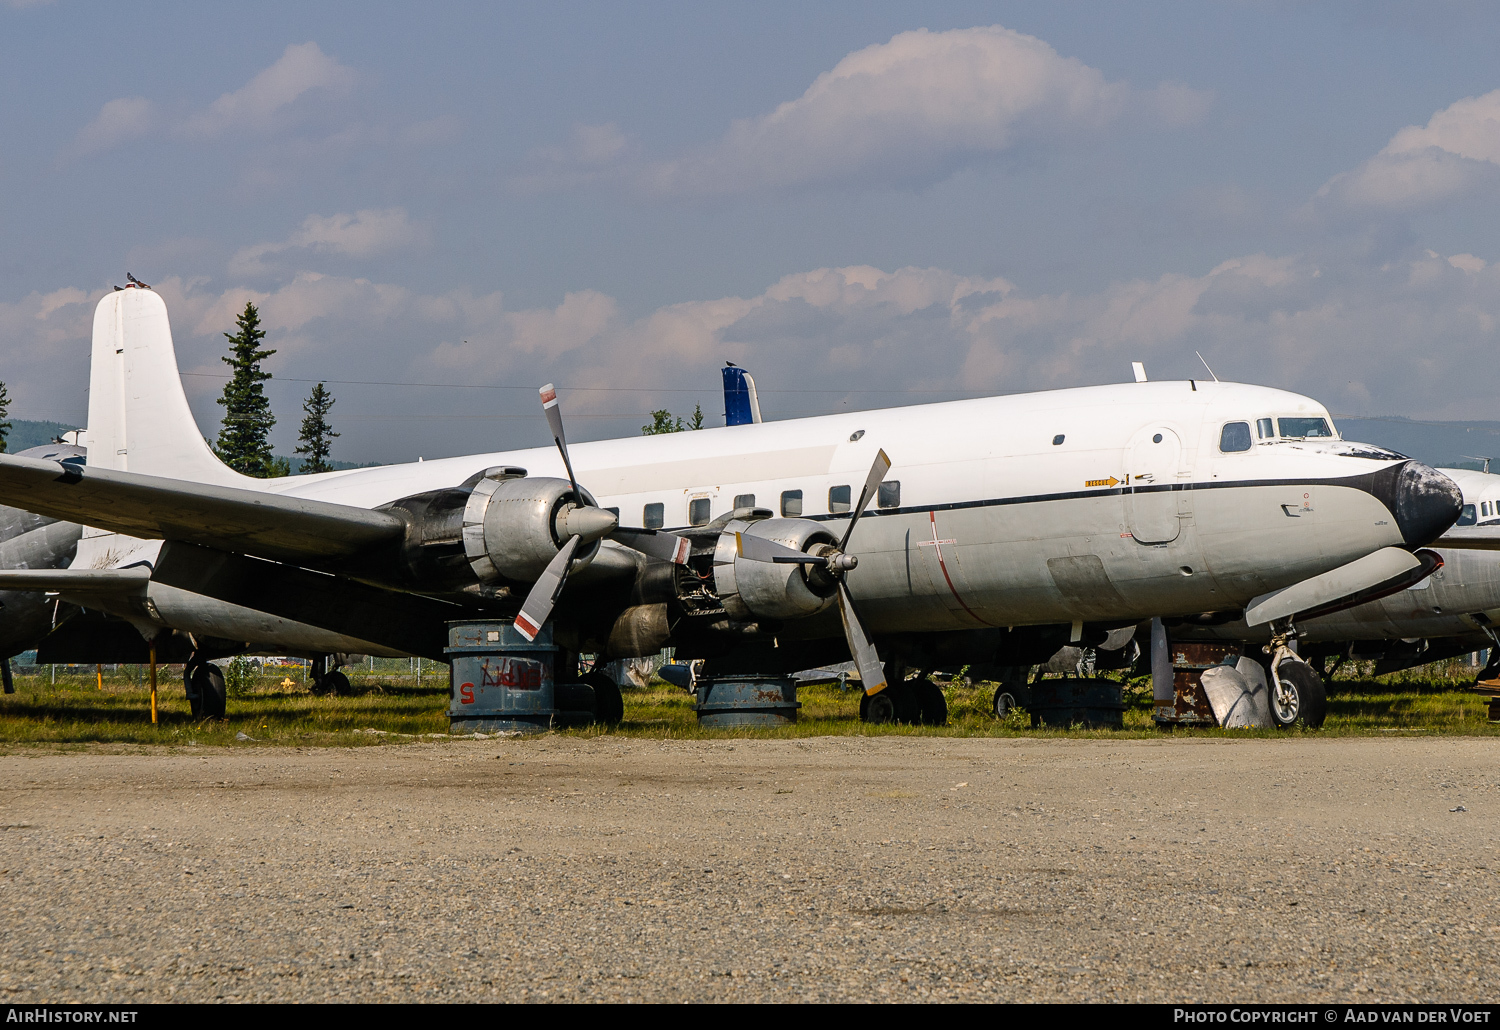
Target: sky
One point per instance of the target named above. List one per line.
(438, 208)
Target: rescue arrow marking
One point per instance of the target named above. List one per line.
(1111, 481)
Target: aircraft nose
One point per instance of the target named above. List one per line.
(1423, 500)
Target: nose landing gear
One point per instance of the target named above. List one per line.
(1297, 691)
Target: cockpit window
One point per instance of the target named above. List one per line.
(1264, 428)
(1467, 516)
(1235, 437)
(1305, 428)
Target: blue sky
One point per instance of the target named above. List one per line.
(865, 203)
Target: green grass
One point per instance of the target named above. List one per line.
(74, 711)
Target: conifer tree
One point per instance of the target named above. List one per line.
(243, 444)
(317, 435)
(4, 416)
(664, 422)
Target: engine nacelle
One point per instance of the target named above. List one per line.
(499, 526)
(752, 590)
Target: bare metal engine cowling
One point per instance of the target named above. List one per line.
(752, 590)
(499, 526)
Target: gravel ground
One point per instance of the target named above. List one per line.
(823, 869)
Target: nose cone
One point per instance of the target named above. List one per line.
(1423, 500)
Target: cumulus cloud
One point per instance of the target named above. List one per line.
(1456, 152)
(1414, 337)
(263, 104)
(302, 69)
(915, 108)
(364, 234)
(118, 121)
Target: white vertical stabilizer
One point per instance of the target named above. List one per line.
(139, 420)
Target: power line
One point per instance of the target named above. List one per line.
(579, 389)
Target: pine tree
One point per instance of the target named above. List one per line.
(317, 435)
(243, 443)
(4, 416)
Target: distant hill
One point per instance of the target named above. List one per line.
(25, 434)
(1441, 444)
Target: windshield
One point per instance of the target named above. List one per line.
(1467, 516)
(1305, 428)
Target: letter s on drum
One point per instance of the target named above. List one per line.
(466, 693)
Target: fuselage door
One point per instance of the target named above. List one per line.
(1152, 461)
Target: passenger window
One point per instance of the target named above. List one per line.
(1467, 516)
(1235, 437)
(1264, 428)
(838, 499)
(744, 500)
(654, 516)
(791, 504)
(890, 494)
(698, 511)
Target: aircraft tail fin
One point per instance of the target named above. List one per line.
(139, 420)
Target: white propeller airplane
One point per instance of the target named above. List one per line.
(985, 531)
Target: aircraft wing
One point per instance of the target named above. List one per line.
(1475, 538)
(222, 517)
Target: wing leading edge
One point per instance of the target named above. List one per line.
(222, 517)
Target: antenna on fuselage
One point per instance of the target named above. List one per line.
(1480, 457)
(1205, 365)
(1139, 368)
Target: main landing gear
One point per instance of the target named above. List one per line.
(324, 677)
(204, 684)
(916, 701)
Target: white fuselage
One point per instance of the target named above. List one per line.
(1109, 503)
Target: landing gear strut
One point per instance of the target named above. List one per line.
(1297, 691)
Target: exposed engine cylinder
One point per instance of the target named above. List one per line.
(753, 590)
(500, 525)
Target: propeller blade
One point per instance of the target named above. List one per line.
(871, 669)
(654, 544)
(758, 548)
(544, 591)
(555, 423)
(878, 470)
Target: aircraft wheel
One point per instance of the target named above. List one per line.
(896, 703)
(194, 697)
(1004, 702)
(932, 706)
(337, 684)
(208, 681)
(1306, 700)
(609, 706)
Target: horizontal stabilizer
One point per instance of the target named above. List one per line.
(1388, 563)
(226, 518)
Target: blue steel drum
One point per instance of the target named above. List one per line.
(498, 680)
(727, 702)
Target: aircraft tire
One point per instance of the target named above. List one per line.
(337, 684)
(190, 689)
(609, 706)
(1311, 704)
(896, 703)
(212, 695)
(1004, 702)
(932, 706)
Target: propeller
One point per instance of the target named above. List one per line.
(582, 524)
(754, 548)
